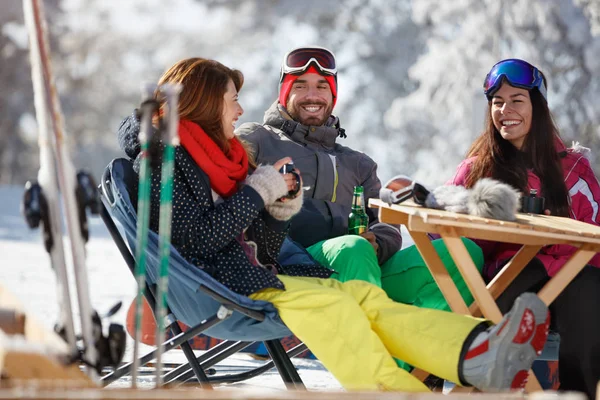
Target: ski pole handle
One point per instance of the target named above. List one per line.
(148, 107)
(171, 92)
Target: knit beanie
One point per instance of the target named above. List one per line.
(288, 80)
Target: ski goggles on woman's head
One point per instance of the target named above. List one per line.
(298, 60)
(518, 73)
(401, 188)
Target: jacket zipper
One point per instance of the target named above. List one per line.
(335, 178)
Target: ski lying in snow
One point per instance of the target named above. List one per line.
(58, 182)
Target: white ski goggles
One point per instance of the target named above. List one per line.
(298, 60)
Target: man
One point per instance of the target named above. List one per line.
(300, 124)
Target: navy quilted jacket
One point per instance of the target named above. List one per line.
(206, 234)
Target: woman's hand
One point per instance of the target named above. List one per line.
(282, 162)
(293, 184)
(287, 206)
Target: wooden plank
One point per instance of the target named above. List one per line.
(228, 394)
(565, 275)
(507, 274)
(440, 273)
(38, 354)
(471, 275)
(526, 224)
(12, 322)
(34, 331)
(521, 234)
(392, 217)
(38, 366)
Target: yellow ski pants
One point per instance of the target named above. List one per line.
(354, 329)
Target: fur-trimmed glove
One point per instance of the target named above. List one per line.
(283, 211)
(268, 182)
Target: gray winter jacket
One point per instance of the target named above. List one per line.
(329, 172)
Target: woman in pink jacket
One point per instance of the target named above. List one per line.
(521, 146)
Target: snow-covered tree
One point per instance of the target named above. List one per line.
(410, 72)
(436, 123)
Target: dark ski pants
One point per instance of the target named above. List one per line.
(575, 316)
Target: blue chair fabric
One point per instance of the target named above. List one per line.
(188, 303)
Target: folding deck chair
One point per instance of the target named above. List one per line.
(201, 302)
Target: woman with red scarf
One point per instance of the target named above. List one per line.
(231, 225)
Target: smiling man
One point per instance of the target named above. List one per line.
(300, 125)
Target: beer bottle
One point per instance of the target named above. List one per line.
(358, 220)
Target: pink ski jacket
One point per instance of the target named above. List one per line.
(584, 194)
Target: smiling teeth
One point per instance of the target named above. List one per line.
(312, 109)
(505, 123)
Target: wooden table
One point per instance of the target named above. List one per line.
(531, 231)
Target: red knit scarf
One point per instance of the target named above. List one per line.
(223, 170)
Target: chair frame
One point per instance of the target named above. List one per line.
(197, 367)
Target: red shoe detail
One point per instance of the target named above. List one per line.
(482, 348)
(502, 328)
(541, 334)
(526, 327)
(520, 380)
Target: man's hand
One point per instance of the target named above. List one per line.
(370, 236)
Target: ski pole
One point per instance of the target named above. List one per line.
(148, 108)
(170, 141)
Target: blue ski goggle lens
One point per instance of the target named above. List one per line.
(297, 61)
(518, 73)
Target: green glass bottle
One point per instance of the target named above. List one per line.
(358, 220)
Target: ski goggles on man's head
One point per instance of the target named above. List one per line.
(518, 73)
(298, 60)
(401, 188)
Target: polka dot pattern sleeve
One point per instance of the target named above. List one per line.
(208, 235)
(200, 225)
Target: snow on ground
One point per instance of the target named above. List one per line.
(25, 271)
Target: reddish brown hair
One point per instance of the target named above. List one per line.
(201, 99)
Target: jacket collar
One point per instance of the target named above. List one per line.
(325, 135)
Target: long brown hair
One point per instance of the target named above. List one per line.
(499, 159)
(201, 99)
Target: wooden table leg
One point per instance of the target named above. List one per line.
(474, 281)
(420, 374)
(533, 385)
(471, 274)
(440, 273)
(508, 273)
(559, 282)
